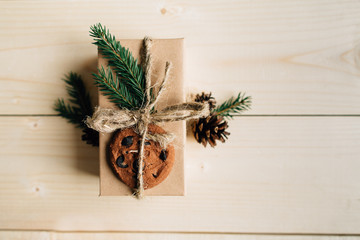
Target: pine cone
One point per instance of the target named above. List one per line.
(206, 97)
(90, 136)
(210, 129)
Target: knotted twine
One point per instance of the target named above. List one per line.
(109, 120)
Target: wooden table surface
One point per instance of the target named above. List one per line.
(290, 169)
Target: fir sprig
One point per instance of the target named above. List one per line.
(233, 106)
(120, 59)
(114, 90)
(80, 99)
(69, 112)
(77, 92)
(79, 107)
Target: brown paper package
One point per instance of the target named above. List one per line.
(162, 50)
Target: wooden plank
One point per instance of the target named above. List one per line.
(275, 175)
(293, 57)
(45, 235)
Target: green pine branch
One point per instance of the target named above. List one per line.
(126, 67)
(114, 90)
(80, 106)
(69, 112)
(234, 106)
(77, 92)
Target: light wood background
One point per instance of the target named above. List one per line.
(290, 170)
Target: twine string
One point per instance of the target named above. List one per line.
(145, 117)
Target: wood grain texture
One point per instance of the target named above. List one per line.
(51, 235)
(293, 57)
(276, 175)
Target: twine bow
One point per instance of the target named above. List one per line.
(109, 120)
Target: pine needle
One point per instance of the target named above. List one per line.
(69, 112)
(80, 106)
(234, 106)
(114, 90)
(128, 71)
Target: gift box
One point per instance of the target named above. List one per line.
(162, 50)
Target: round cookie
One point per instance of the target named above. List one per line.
(124, 149)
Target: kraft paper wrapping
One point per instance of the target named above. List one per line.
(162, 50)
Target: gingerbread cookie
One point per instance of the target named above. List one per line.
(124, 149)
